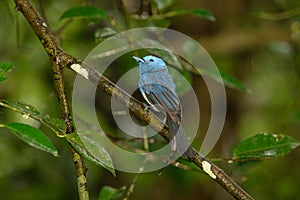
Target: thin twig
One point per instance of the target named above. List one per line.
(130, 189)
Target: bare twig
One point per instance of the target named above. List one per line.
(60, 59)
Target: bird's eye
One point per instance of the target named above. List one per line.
(151, 60)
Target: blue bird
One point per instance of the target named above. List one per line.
(158, 89)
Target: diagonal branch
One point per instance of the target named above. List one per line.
(143, 113)
(59, 60)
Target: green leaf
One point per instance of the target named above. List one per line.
(264, 146)
(182, 86)
(177, 12)
(190, 50)
(56, 125)
(91, 150)
(25, 109)
(32, 136)
(5, 67)
(97, 150)
(233, 82)
(203, 13)
(85, 12)
(220, 76)
(110, 193)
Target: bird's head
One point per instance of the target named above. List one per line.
(150, 62)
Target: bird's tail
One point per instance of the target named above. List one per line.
(179, 142)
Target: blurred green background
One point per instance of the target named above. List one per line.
(262, 53)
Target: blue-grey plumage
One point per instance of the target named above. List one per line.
(158, 88)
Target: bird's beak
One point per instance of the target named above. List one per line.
(139, 60)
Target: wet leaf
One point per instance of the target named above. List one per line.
(32, 136)
(56, 125)
(91, 150)
(264, 146)
(24, 109)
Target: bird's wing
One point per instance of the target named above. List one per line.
(158, 94)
